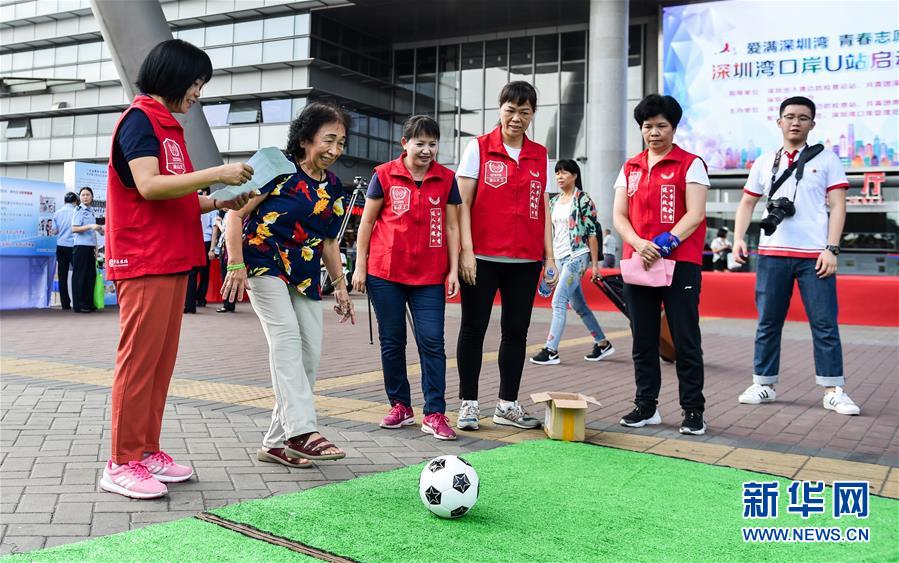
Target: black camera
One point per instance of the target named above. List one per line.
(778, 210)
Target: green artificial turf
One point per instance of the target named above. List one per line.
(556, 501)
(179, 541)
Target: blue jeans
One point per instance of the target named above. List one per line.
(773, 290)
(427, 304)
(568, 291)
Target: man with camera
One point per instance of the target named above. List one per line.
(799, 242)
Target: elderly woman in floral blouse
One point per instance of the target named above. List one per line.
(290, 229)
(576, 234)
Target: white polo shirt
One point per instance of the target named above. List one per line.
(804, 235)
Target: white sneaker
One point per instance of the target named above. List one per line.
(757, 394)
(840, 402)
(469, 415)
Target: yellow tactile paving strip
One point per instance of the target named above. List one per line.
(884, 480)
(377, 376)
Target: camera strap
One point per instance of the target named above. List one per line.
(798, 166)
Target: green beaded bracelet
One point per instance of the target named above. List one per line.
(233, 267)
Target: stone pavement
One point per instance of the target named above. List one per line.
(55, 372)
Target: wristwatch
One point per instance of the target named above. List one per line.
(835, 250)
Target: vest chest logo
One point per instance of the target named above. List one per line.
(534, 174)
(666, 204)
(400, 198)
(667, 176)
(496, 173)
(633, 182)
(174, 157)
(434, 200)
(435, 228)
(534, 199)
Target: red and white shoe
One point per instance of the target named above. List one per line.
(163, 467)
(131, 480)
(400, 415)
(437, 425)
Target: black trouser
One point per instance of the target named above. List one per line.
(227, 305)
(681, 300)
(517, 284)
(63, 263)
(84, 277)
(196, 294)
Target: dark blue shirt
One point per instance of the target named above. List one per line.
(284, 236)
(376, 191)
(135, 139)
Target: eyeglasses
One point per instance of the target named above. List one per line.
(803, 119)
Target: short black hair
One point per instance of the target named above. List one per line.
(653, 105)
(310, 120)
(71, 197)
(421, 126)
(519, 93)
(171, 68)
(572, 167)
(797, 101)
(88, 189)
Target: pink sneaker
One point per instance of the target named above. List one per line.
(436, 424)
(131, 480)
(161, 466)
(400, 415)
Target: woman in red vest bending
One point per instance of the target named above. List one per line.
(659, 210)
(506, 233)
(412, 223)
(153, 239)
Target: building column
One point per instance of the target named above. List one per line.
(129, 44)
(606, 101)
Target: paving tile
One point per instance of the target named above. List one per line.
(695, 451)
(774, 463)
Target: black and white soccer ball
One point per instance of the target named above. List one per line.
(449, 486)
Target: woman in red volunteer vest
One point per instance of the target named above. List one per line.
(153, 239)
(660, 198)
(408, 246)
(506, 236)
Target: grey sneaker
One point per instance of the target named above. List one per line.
(514, 416)
(469, 414)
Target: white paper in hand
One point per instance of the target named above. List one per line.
(267, 163)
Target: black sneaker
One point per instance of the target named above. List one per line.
(641, 416)
(546, 357)
(693, 423)
(600, 352)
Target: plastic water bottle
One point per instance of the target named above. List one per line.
(544, 290)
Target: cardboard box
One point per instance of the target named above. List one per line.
(565, 414)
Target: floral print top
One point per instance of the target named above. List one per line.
(582, 223)
(284, 235)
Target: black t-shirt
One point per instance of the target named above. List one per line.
(135, 139)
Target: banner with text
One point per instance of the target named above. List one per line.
(731, 63)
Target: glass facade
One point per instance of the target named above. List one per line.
(459, 84)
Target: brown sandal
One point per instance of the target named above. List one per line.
(278, 455)
(300, 446)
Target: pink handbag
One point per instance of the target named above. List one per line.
(659, 274)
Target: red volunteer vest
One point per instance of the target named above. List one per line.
(146, 237)
(507, 216)
(657, 199)
(408, 242)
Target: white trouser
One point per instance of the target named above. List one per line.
(293, 327)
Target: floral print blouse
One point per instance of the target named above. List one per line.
(582, 223)
(284, 235)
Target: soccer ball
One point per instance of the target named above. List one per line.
(449, 486)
